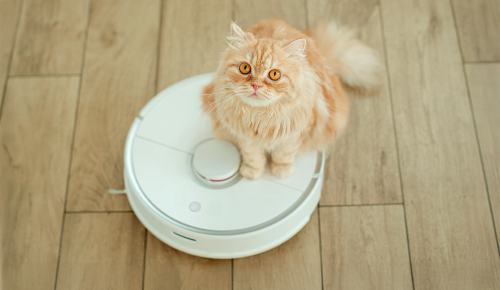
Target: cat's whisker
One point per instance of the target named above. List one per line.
(206, 107)
(218, 103)
(219, 100)
(219, 91)
(215, 93)
(227, 78)
(215, 44)
(214, 101)
(222, 88)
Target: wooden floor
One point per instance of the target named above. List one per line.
(411, 198)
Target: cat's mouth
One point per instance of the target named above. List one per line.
(254, 100)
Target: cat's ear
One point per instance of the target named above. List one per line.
(236, 37)
(235, 31)
(296, 49)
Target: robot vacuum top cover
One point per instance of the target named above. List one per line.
(165, 152)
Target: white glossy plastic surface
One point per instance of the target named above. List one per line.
(216, 160)
(244, 218)
(165, 179)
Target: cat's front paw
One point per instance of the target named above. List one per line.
(282, 170)
(250, 172)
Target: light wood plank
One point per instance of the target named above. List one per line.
(294, 265)
(365, 248)
(118, 79)
(9, 14)
(478, 23)
(170, 269)
(193, 37)
(451, 235)
(362, 166)
(36, 133)
(50, 38)
(484, 87)
(248, 13)
(101, 251)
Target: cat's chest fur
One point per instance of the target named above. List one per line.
(265, 126)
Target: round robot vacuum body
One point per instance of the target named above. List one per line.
(184, 185)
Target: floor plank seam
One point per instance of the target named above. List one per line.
(457, 34)
(45, 75)
(474, 121)
(388, 77)
(482, 162)
(232, 274)
(144, 260)
(11, 56)
(96, 211)
(353, 205)
(482, 62)
(320, 250)
(158, 47)
(73, 140)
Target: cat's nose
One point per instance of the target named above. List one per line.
(256, 87)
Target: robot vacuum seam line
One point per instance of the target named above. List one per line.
(161, 144)
(266, 178)
(276, 182)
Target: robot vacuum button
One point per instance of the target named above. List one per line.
(216, 160)
(195, 206)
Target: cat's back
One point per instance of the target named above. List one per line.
(275, 29)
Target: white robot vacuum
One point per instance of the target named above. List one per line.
(184, 185)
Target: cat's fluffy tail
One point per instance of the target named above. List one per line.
(357, 64)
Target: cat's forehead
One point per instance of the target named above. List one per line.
(264, 53)
(256, 59)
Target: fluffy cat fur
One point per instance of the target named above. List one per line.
(303, 110)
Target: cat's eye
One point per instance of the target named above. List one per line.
(245, 68)
(274, 74)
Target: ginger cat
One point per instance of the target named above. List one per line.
(279, 92)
